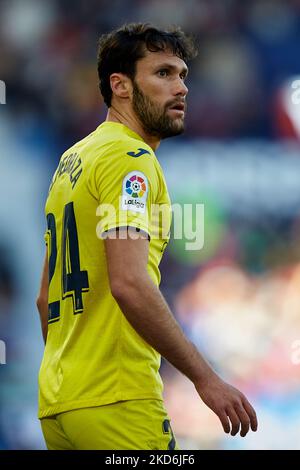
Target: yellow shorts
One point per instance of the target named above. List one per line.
(126, 425)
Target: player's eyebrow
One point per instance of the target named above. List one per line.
(172, 68)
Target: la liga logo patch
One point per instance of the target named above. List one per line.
(134, 192)
(136, 186)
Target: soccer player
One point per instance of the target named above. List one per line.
(104, 321)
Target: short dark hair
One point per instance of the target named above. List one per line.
(119, 50)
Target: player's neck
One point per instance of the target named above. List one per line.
(132, 123)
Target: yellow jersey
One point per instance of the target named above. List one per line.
(92, 355)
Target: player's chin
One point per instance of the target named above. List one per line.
(174, 130)
(178, 126)
(171, 131)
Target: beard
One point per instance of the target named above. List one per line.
(153, 117)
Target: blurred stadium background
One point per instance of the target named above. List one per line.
(239, 297)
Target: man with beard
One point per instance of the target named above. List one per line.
(104, 320)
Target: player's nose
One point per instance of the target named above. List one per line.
(180, 88)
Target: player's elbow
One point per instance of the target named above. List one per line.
(123, 288)
(41, 302)
(118, 289)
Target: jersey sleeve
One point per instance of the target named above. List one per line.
(126, 186)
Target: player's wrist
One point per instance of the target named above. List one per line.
(203, 374)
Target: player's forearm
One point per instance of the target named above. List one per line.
(148, 313)
(42, 307)
(42, 300)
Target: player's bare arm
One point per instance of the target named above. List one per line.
(148, 313)
(42, 299)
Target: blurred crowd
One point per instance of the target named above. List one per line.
(238, 298)
(248, 327)
(246, 52)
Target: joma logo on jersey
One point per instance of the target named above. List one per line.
(139, 154)
(2, 352)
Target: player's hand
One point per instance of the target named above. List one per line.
(229, 404)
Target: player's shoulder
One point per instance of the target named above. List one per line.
(116, 149)
(117, 140)
(130, 148)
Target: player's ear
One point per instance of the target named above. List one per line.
(120, 85)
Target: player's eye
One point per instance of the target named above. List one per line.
(163, 73)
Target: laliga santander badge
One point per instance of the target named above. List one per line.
(134, 192)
